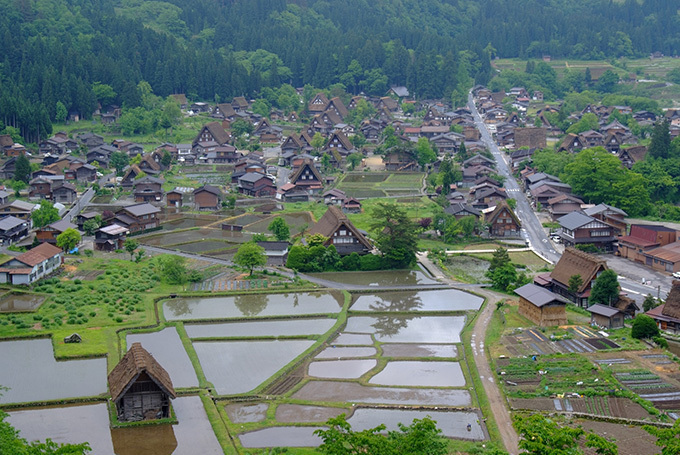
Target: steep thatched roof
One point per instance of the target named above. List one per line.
(334, 219)
(134, 363)
(576, 262)
(672, 306)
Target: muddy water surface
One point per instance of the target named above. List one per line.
(409, 329)
(379, 278)
(289, 327)
(247, 413)
(353, 339)
(252, 305)
(240, 366)
(421, 374)
(293, 413)
(20, 302)
(347, 352)
(32, 374)
(419, 350)
(350, 392)
(167, 348)
(281, 437)
(403, 301)
(341, 369)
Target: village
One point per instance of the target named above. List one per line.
(238, 288)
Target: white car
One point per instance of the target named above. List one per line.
(676, 275)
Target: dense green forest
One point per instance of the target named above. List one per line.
(56, 50)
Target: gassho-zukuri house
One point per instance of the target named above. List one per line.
(140, 387)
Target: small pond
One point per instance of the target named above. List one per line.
(452, 423)
(293, 413)
(281, 437)
(353, 339)
(239, 366)
(247, 413)
(404, 301)
(379, 278)
(20, 302)
(419, 350)
(341, 369)
(289, 327)
(32, 374)
(333, 352)
(351, 392)
(420, 374)
(409, 329)
(251, 305)
(167, 348)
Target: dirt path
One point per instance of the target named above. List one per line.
(497, 402)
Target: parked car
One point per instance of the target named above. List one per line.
(676, 274)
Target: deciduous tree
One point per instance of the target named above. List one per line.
(280, 229)
(250, 255)
(68, 239)
(606, 289)
(46, 214)
(395, 235)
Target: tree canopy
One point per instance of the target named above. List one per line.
(250, 255)
(46, 214)
(605, 291)
(395, 235)
(280, 229)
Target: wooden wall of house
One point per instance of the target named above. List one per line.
(546, 316)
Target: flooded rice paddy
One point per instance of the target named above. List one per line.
(409, 329)
(240, 366)
(440, 300)
(281, 437)
(379, 278)
(172, 239)
(251, 305)
(341, 369)
(333, 352)
(297, 413)
(286, 327)
(20, 302)
(353, 339)
(419, 350)
(167, 349)
(352, 392)
(247, 413)
(421, 374)
(31, 373)
(75, 424)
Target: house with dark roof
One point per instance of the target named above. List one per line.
(32, 265)
(276, 252)
(607, 317)
(610, 215)
(208, 197)
(318, 103)
(13, 229)
(148, 189)
(140, 387)
(211, 135)
(110, 238)
(460, 210)
(256, 184)
(339, 142)
(503, 222)
(576, 262)
(644, 238)
(336, 105)
(340, 232)
(50, 232)
(630, 156)
(541, 306)
(65, 193)
(667, 316)
(562, 205)
(138, 217)
(307, 178)
(18, 209)
(577, 228)
(664, 258)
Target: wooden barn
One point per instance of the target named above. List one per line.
(140, 388)
(605, 316)
(541, 306)
(667, 316)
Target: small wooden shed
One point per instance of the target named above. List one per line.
(605, 316)
(541, 306)
(140, 387)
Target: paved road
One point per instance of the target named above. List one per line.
(532, 230)
(80, 204)
(497, 402)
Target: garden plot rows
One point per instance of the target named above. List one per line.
(533, 342)
(650, 387)
(596, 405)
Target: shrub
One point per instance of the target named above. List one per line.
(660, 341)
(644, 327)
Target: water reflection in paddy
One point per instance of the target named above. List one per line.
(247, 413)
(341, 369)
(32, 374)
(378, 278)
(409, 329)
(351, 392)
(75, 424)
(353, 339)
(289, 327)
(20, 302)
(167, 348)
(452, 423)
(251, 305)
(281, 437)
(419, 350)
(403, 301)
(292, 413)
(422, 374)
(346, 352)
(240, 366)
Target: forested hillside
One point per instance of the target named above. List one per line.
(56, 50)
